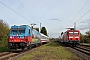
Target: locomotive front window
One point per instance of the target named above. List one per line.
(75, 33)
(15, 31)
(21, 31)
(70, 33)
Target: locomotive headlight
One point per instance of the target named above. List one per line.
(22, 40)
(11, 37)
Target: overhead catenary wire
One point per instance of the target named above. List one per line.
(85, 26)
(27, 11)
(78, 12)
(14, 11)
(82, 16)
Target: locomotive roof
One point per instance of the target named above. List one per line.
(21, 26)
(72, 30)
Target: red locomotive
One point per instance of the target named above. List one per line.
(71, 37)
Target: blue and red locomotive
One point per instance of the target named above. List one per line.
(23, 37)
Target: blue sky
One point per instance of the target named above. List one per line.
(55, 15)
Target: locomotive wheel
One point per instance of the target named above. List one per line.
(29, 47)
(37, 45)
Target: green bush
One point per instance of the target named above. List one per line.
(4, 48)
(4, 31)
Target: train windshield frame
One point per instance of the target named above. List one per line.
(18, 30)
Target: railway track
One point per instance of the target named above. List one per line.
(15, 55)
(7, 55)
(81, 51)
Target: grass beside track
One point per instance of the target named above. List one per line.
(50, 51)
(4, 49)
(87, 44)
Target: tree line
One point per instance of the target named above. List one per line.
(4, 31)
(85, 38)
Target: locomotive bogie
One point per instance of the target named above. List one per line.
(17, 46)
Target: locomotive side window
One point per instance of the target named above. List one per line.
(43, 37)
(29, 31)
